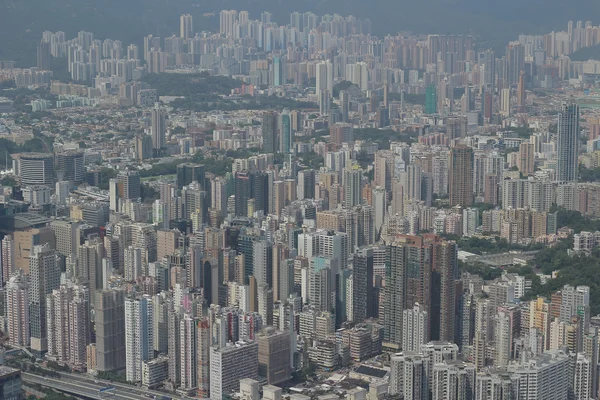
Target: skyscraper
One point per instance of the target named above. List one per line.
(34, 168)
(362, 285)
(113, 190)
(278, 71)
(68, 326)
(567, 143)
(324, 77)
(132, 261)
(229, 364)
(546, 376)
(526, 159)
(203, 349)
(188, 173)
(139, 335)
(453, 380)
(143, 147)
(395, 292)
(262, 253)
(521, 96)
(17, 310)
(443, 303)
(460, 175)
(306, 184)
(515, 58)
(409, 376)
(344, 105)
(110, 329)
(431, 99)
(340, 133)
(90, 256)
(286, 137)
(228, 18)
(415, 328)
(158, 129)
(269, 132)
(188, 347)
(69, 166)
(128, 184)
(488, 60)
(186, 26)
(582, 385)
(44, 277)
(274, 355)
(575, 301)
(421, 269)
(43, 55)
(352, 185)
(7, 258)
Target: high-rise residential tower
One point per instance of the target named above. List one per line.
(270, 135)
(44, 277)
(186, 26)
(17, 310)
(158, 129)
(460, 175)
(567, 143)
(110, 329)
(139, 335)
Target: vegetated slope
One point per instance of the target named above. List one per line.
(587, 53)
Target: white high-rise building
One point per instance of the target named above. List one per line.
(44, 277)
(158, 128)
(228, 19)
(139, 335)
(67, 312)
(453, 380)
(503, 335)
(262, 261)
(334, 245)
(62, 189)
(320, 283)
(186, 26)
(358, 74)
(471, 221)
(583, 378)
(113, 193)
(324, 77)
(492, 386)
(17, 310)
(132, 260)
(230, 364)
(7, 258)
(545, 377)
(308, 244)
(409, 376)
(415, 328)
(380, 205)
(188, 342)
(505, 102)
(219, 194)
(575, 301)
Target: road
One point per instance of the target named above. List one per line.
(84, 386)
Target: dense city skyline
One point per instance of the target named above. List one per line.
(301, 210)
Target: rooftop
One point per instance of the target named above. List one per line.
(11, 223)
(370, 371)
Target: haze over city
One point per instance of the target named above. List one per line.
(334, 201)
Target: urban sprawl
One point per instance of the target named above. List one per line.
(301, 211)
